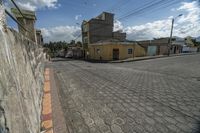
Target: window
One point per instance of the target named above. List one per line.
(85, 40)
(103, 16)
(130, 51)
(98, 51)
(85, 28)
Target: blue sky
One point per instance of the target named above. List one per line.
(61, 19)
(67, 10)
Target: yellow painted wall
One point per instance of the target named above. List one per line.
(139, 51)
(106, 51)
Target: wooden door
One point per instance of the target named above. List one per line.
(115, 54)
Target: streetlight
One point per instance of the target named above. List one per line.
(170, 42)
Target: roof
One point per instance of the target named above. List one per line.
(38, 31)
(97, 17)
(113, 43)
(28, 14)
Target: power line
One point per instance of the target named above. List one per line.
(10, 15)
(136, 10)
(161, 6)
(92, 30)
(78, 5)
(118, 5)
(18, 8)
(140, 10)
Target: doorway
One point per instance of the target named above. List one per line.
(115, 54)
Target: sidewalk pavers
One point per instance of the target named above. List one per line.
(53, 120)
(47, 123)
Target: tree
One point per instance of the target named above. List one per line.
(72, 42)
(79, 44)
(195, 42)
(56, 46)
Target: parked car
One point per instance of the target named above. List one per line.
(69, 54)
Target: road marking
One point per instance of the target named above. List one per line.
(47, 123)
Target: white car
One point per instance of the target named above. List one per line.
(69, 54)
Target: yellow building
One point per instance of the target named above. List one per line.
(114, 50)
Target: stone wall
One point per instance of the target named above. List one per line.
(21, 81)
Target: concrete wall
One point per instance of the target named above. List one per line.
(161, 44)
(99, 28)
(163, 50)
(119, 36)
(139, 51)
(21, 81)
(106, 51)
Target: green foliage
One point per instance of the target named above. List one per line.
(53, 47)
(195, 42)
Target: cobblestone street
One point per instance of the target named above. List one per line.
(156, 96)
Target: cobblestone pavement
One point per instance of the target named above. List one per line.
(155, 96)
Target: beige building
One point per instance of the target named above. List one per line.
(156, 46)
(28, 22)
(39, 37)
(114, 50)
(101, 43)
(100, 28)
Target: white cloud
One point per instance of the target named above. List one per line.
(186, 25)
(118, 25)
(27, 6)
(37, 4)
(61, 33)
(193, 12)
(160, 28)
(78, 16)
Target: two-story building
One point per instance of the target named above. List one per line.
(102, 43)
(100, 28)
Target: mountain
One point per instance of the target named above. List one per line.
(179, 38)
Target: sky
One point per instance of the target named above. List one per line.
(60, 20)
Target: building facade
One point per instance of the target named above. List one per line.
(156, 46)
(28, 22)
(100, 28)
(39, 37)
(114, 51)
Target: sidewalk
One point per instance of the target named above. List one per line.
(150, 57)
(47, 124)
(53, 120)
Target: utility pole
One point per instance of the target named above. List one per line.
(170, 40)
(172, 27)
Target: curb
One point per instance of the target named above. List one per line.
(164, 56)
(47, 122)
